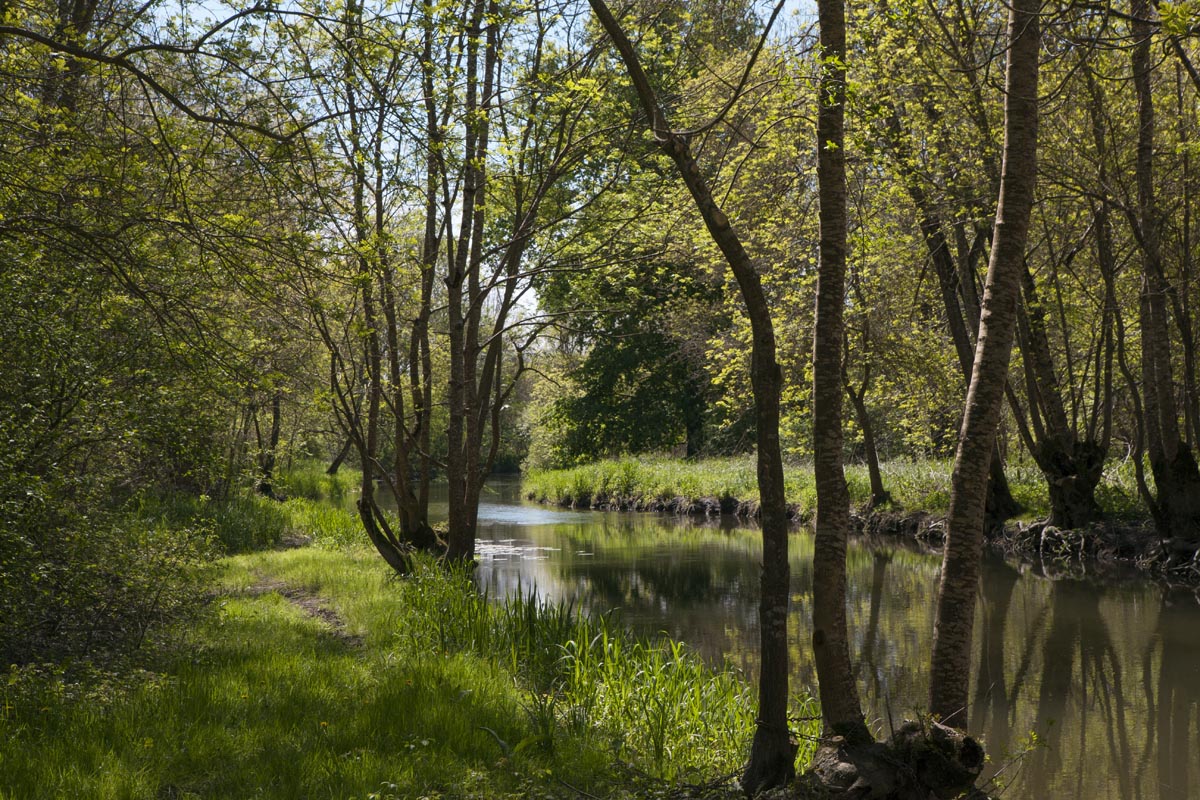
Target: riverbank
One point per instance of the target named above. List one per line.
(1124, 546)
(312, 672)
(730, 486)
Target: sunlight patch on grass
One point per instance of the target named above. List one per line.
(439, 691)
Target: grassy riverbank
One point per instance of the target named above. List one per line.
(313, 672)
(649, 482)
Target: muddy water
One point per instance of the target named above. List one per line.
(1079, 690)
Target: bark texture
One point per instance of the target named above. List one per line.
(831, 650)
(950, 666)
(956, 294)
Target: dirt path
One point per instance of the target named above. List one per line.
(312, 605)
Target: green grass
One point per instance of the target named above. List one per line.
(316, 507)
(427, 690)
(914, 485)
(653, 478)
(309, 479)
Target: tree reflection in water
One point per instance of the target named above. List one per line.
(1055, 657)
(1178, 703)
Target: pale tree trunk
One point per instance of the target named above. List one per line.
(950, 664)
(831, 650)
(773, 752)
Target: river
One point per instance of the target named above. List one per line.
(1079, 690)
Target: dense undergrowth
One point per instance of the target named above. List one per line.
(644, 481)
(313, 672)
(86, 581)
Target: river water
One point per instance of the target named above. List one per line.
(1079, 690)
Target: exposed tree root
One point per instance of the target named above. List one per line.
(921, 761)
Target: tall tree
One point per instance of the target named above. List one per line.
(831, 649)
(526, 114)
(773, 753)
(1176, 505)
(950, 664)
(921, 122)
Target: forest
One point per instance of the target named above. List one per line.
(894, 302)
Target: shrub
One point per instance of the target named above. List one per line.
(91, 586)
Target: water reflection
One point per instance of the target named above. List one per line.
(1108, 678)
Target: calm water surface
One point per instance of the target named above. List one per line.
(1107, 677)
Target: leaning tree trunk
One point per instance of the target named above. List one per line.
(1001, 505)
(950, 665)
(880, 496)
(772, 753)
(831, 649)
(375, 522)
(342, 452)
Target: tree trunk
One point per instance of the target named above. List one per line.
(693, 418)
(344, 451)
(269, 456)
(950, 664)
(880, 496)
(378, 530)
(773, 752)
(831, 649)
(460, 517)
(1072, 467)
(1176, 476)
(1000, 505)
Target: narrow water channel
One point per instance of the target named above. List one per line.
(1079, 690)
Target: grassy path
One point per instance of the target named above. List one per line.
(314, 674)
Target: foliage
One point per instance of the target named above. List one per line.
(642, 384)
(309, 479)
(431, 690)
(93, 587)
(922, 485)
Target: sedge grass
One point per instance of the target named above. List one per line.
(922, 485)
(309, 479)
(424, 690)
